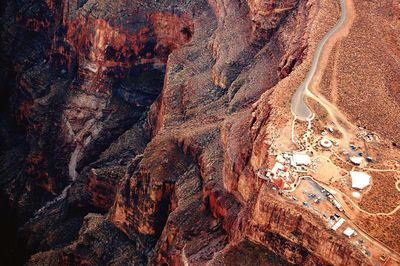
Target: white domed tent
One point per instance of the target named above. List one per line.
(359, 180)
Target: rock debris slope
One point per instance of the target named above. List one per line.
(131, 133)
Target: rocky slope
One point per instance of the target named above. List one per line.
(131, 131)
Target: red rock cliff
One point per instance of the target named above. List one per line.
(152, 115)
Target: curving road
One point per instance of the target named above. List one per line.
(298, 106)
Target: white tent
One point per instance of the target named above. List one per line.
(359, 180)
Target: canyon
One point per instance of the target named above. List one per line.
(131, 132)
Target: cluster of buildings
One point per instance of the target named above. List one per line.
(359, 180)
(286, 164)
(335, 202)
(289, 166)
(355, 156)
(349, 232)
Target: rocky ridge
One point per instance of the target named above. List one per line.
(140, 133)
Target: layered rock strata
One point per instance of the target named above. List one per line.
(138, 132)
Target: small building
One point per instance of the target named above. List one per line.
(357, 160)
(300, 169)
(349, 232)
(277, 167)
(338, 224)
(337, 205)
(326, 143)
(359, 180)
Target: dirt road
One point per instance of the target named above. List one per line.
(340, 197)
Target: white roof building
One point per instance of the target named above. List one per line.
(337, 204)
(278, 166)
(356, 160)
(359, 180)
(348, 232)
(338, 224)
(300, 159)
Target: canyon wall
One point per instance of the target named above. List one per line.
(132, 131)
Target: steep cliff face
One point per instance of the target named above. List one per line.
(114, 47)
(141, 132)
(295, 235)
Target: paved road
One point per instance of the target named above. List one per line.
(298, 106)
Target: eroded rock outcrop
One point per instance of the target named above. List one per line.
(142, 132)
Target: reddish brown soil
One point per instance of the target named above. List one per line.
(383, 228)
(363, 76)
(383, 196)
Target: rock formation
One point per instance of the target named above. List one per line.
(131, 132)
